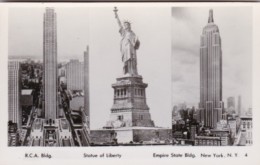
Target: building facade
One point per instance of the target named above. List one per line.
(211, 104)
(50, 63)
(14, 109)
(86, 83)
(75, 75)
(246, 137)
(239, 106)
(207, 141)
(231, 104)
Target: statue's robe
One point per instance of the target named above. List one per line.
(129, 44)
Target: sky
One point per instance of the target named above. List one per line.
(235, 26)
(97, 27)
(26, 31)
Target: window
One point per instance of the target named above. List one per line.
(157, 134)
(248, 125)
(244, 124)
(121, 117)
(141, 117)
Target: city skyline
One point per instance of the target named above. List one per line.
(52, 114)
(236, 52)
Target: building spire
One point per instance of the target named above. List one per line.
(211, 19)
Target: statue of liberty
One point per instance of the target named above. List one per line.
(128, 46)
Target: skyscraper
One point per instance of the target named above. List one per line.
(231, 105)
(231, 102)
(211, 73)
(75, 75)
(86, 82)
(14, 111)
(239, 106)
(86, 113)
(50, 63)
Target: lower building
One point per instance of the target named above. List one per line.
(131, 135)
(207, 141)
(51, 133)
(246, 138)
(13, 136)
(26, 97)
(233, 129)
(224, 136)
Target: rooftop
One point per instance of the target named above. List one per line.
(27, 91)
(207, 137)
(246, 117)
(133, 128)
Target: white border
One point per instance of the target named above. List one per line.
(138, 155)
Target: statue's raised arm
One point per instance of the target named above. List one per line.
(117, 18)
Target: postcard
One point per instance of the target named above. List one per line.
(129, 83)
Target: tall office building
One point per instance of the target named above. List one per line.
(211, 103)
(230, 102)
(86, 113)
(75, 75)
(14, 110)
(231, 105)
(239, 106)
(86, 82)
(50, 63)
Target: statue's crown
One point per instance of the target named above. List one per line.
(127, 21)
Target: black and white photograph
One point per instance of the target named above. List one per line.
(129, 83)
(47, 77)
(89, 77)
(212, 76)
(130, 76)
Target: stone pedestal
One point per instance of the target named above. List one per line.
(130, 108)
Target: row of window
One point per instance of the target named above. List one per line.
(121, 117)
(122, 92)
(249, 142)
(249, 125)
(208, 142)
(139, 92)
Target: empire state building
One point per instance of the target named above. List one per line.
(211, 104)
